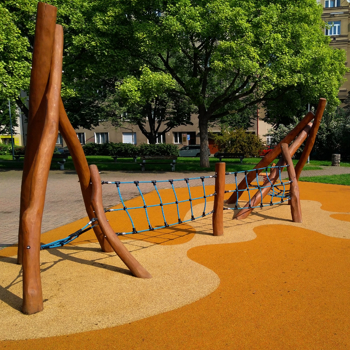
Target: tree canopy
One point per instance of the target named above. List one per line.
(14, 54)
(225, 56)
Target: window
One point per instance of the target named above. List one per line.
(269, 140)
(332, 3)
(129, 137)
(101, 137)
(81, 137)
(59, 140)
(335, 28)
(177, 137)
(160, 138)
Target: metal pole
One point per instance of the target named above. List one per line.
(13, 151)
(308, 109)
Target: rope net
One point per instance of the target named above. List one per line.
(187, 193)
(159, 212)
(279, 190)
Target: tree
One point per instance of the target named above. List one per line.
(14, 58)
(228, 55)
(333, 135)
(152, 102)
(238, 141)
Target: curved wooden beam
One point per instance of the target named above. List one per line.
(32, 215)
(82, 169)
(96, 200)
(260, 195)
(312, 137)
(294, 187)
(271, 156)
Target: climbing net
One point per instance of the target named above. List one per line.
(279, 191)
(179, 199)
(183, 199)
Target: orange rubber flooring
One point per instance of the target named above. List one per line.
(287, 289)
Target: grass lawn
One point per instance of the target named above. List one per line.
(343, 179)
(183, 164)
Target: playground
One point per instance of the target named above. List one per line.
(250, 259)
(267, 283)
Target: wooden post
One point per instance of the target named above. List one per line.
(42, 56)
(259, 196)
(294, 187)
(32, 216)
(96, 200)
(218, 215)
(83, 171)
(312, 137)
(271, 156)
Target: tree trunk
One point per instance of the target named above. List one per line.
(203, 134)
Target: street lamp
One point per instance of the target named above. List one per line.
(13, 151)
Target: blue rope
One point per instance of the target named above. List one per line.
(275, 192)
(161, 204)
(70, 238)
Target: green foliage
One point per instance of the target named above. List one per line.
(5, 149)
(152, 100)
(239, 141)
(333, 135)
(343, 179)
(91, 149)
(122, 149)
(5, 117)
(158, 150)
(19, 150)
(14, 55)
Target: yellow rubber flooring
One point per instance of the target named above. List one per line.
(288, 288)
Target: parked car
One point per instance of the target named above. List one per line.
(191, 151)
(62, 150)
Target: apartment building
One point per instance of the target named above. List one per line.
(181, 135)
(336, 15)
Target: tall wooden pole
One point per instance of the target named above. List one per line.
(41, 65)
(32, 216)
(218, 215)
(312, 137)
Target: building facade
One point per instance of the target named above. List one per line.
(336, 15)
(181, 135)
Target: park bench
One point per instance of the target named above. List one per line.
(221, 155)
(170, 160)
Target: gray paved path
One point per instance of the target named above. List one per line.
(63, 203)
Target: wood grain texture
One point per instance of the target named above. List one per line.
(260, 195)
(96, 200)
(218, 215)
(42, 56)
(31, 219)
(82, 169)
(271, 156)
(295, 206)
